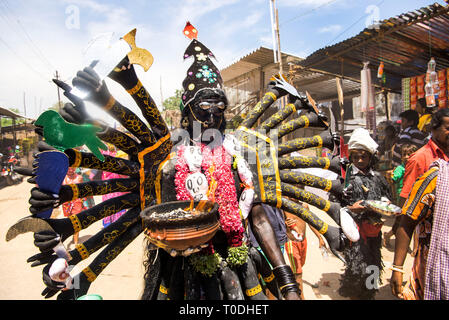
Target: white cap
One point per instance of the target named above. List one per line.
(361, 139)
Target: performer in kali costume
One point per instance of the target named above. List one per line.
(227, 177)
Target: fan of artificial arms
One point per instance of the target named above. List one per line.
(270, 174)
(147, 147)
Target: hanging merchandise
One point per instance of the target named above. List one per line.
(432, 88)
(413, 93)
(367, 98)
(442, 97)
(380, 70)
(406, 93)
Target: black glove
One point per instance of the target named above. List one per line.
(42, 258)
(88, 80)
(41, 201)
(52, 287)
(46, 240)
(74, 112)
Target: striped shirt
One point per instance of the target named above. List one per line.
(410, 135)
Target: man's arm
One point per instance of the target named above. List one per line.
(403, 236)
(265, 236)
(418, 206)
(413, 169)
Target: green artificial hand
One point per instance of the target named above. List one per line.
(64, 135)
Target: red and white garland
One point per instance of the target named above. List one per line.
(216, 165)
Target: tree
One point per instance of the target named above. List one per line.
(173, 102)
(171, 109)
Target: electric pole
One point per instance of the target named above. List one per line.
(278, 37)
(59, 96)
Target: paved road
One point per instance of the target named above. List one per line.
(122, 279)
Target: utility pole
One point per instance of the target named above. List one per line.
(59, 96)
(278, 37)
(25, 111)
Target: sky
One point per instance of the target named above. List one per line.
(40, 37)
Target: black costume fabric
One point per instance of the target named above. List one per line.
(150, 168)
(367, 251)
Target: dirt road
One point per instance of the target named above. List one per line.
(122, 279)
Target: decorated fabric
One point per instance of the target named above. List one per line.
(105, 175)
(420, 206)
(202, 74)
(436, 285)
(406, 93)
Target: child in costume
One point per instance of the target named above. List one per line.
(363, 184)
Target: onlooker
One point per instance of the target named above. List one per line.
(386, 145)
(410, 134)
(296, 247)
(75, 206)
(425, 115)
(436, 148)
(397, 178)
(428, 208)
(364, 184)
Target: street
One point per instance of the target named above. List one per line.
(123, 278)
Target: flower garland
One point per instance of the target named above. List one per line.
(216, 165)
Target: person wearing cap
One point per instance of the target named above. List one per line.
(363, 183)
(410, 134)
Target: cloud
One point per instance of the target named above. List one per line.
(330, 29)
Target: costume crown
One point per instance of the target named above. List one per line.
(202, 74)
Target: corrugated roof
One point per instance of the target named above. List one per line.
(9, 113)
(401, 42)
(257, 58)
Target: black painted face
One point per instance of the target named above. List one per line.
(208, 109)
(210, 112)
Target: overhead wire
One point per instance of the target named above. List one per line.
(353, 24)
(7, 15)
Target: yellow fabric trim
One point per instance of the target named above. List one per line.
(277, 175)
(77, 161)
(306, 121)
(271, 94)
(110, 103)
(135, 89)
(269, 278)
(163, 289)
(253, 291)
(275, 164)
(257, 134)
(157, 183)
(328, 164)
(82, 251)
(91, 276)
(76, 224)
(328, 206)
(142, 171)
(328, 185)
(75, 191)
(323, 229)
